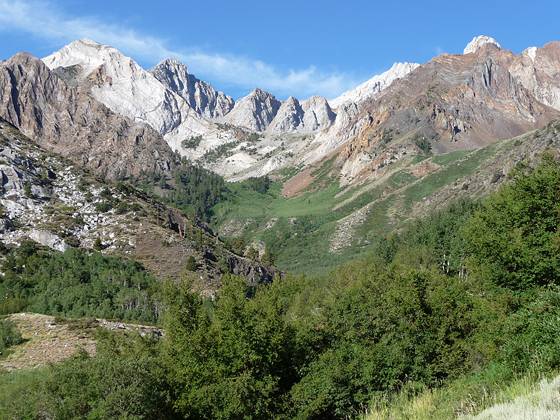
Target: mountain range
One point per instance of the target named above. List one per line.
(388, 253)
(453, 102)
(92, 104)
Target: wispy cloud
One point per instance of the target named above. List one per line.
(46, 21)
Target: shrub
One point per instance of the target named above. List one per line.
(423, 144)
(515, 236)
(9, 335)
(191, 142)
(103, 206)
(191, 264)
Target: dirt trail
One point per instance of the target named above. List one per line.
(45, 342)
(48, 340)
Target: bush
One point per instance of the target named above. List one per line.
(122, 208)
(515, 236)
(9, 335)
(259, 184)
(27, 189)
(191, 264)
(229, 358)
(103, 206)
(423, 144)
(191, 142)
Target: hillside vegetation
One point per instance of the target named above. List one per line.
(457, 306)
(327, 224)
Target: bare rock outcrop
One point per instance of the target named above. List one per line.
(201, 96)
(255, 111)
(69, 121)
(458, 102)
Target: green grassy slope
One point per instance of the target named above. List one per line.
(299, 231)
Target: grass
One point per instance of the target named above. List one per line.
(491, 394)
(460, 166)
(305, 224)
(17, 383)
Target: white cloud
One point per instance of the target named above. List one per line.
(43, 20)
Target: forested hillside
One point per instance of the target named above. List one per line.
(460, 304)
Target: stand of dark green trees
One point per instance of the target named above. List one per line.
(197, 190)
(471, 289)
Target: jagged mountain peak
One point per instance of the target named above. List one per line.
(86, 41)
(288, 118)
(201, 96)
(375, 85)
(479, 41)
(260, 93)
(292, 100)
(254, 111)
(171, 64)
(126, 88)
(306, 116)
(315, 99)
(88, 54)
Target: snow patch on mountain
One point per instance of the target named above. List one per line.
(479, 41)
(374, 85)
(530, 52)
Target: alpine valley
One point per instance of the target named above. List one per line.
(146, 179)
(343, 171)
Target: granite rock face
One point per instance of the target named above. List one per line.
(201, 96)
(122, 85)
(254, 111)
(456, 102)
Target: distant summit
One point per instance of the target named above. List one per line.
(479, 41)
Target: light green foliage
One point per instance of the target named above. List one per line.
(305, 224)
(75, 284)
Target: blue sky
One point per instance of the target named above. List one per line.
(288, 47)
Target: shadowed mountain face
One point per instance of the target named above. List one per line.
(67, 120)
(456, 102)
